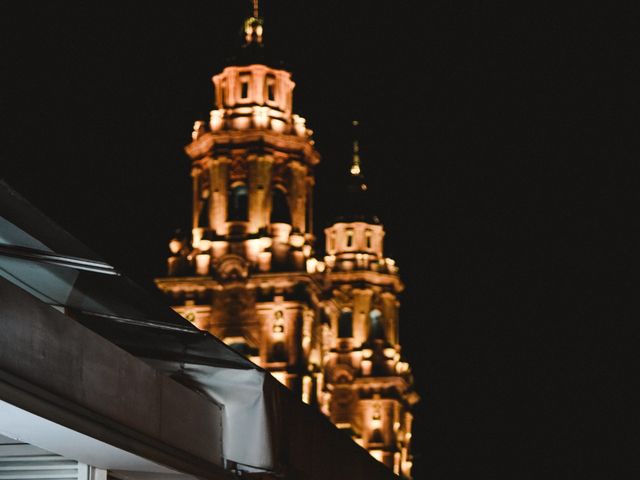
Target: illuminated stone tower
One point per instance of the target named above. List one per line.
(367, 387)
(327, 329)
(241, 274)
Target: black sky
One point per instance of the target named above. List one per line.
(493, 136)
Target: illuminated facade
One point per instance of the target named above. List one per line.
(325, 327)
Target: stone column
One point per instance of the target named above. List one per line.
(361, 309)
(258, 86)
(298, 195)
(310, 183)
(219, 180)
(197, 202)
(390, 317)
(259, 183)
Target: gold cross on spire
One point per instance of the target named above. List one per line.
(253, 26)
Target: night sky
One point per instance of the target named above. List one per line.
(492, 136)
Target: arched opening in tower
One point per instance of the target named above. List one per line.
(345, 324)
(238, 203)
(376, 326)
(270, 88)
(203, 215)
(280, 212)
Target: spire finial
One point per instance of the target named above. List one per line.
(253, 26)
(355, 164)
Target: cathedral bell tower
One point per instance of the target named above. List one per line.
(368, 388)
(237, 274)
(252, 169)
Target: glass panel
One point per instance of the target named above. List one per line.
(119, 310)
(22, 225)
(33, 256)
(97, 293)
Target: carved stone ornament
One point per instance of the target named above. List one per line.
(341, 374)
(238, 169)
(232, 268)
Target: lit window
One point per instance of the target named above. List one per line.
(271, 88)
(349, 237)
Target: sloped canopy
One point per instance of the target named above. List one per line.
(42, 258)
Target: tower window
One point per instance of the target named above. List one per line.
(349, 237)
(376, 328)
(238, 203)
(280, 207)
(271, 88)
(244, 86)
(368, 234)
(345, 324)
